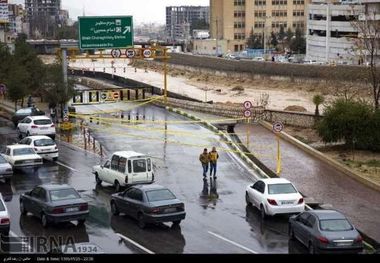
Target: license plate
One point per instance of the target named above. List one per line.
(287, 202)
(343, 244)
(72, 209)
(44, 128)
(170, 210)
(28, 161)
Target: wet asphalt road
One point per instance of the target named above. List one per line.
(317, 180)
(217, 219)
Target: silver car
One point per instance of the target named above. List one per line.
(6, 170)
(325, 231)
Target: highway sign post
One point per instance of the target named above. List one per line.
(105, 32)
(278, 127)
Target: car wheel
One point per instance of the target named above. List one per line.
(55, 159)
(140, 218)
(247, 199)
(53, 137)
(291, 233)
(262, 212)
(81, 222)
(311, 248)
(98, 181)
(176, 223)
(19, 134)
(27, 134)
(117, 186)
(7, 180)
(35, 169)
(44, 220)
(22, 208)
(114, 209)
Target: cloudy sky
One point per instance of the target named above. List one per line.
(142, 10)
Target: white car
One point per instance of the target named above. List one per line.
(43, 145)
(6, 170)
(274, 196)
(36, 125)
(125, 168)
(20, 156)
(4, 218)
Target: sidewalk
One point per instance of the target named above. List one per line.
(318, 180)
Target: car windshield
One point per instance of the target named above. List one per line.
(160, 195)
(2, 208)
(42, 122)
(44, 142)
(139, 166)
(276, 189)
(23, 151)
(335, 225)
(23, 111)
(2, 160)
(63, 194)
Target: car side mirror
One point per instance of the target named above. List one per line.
(121, 194)
(252, 186)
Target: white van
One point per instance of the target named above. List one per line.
(125, 168)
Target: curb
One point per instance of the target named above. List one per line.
(324, 158)
(228, 140)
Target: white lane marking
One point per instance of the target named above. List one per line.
(68, 167)
(135, 243)
(232, 242)
(16, 236)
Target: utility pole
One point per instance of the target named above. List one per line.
(217, 37)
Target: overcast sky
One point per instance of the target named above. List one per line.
(142, 10)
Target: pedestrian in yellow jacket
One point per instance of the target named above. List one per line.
(204, 159)
(213, 157)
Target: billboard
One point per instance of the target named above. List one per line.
(4, 13)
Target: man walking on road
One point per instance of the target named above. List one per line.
(204, 159)
(213, 157)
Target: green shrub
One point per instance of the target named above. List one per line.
(353, 122)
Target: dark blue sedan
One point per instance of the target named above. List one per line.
(149, 204)
(54, 204)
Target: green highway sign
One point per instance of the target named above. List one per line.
(105, 32)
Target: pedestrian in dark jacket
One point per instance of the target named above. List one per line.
(204, 159)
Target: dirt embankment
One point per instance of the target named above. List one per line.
(282, 93)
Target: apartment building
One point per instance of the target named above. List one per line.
(332, 31)
(234, 20)
(180, 19)
(43, 17)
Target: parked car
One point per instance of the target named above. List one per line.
(125, 168)
(20, 156)
(149, 204)
(6, 170)
(4, 218)
(325, 231)
(44, 146)
(25, 112)
(274, 196)
(36, 125)
(258, 59)
(54, 204)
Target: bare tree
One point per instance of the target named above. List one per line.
(367, 45)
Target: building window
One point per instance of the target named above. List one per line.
(298, 2)
(260, 2)
(236, 48)
(298, 25)
(298, 13)
(279, 2)
(259, 24)
(277, 13)
(239, 25)
(239, 36)
(239, 14)
(260, 13)
(239, 2)
(279, 24)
